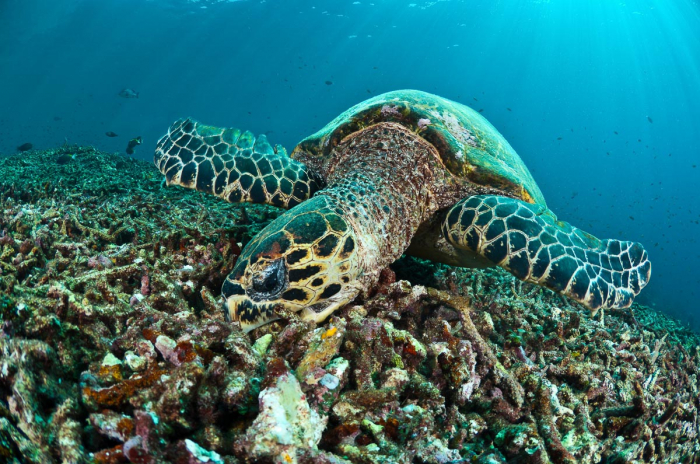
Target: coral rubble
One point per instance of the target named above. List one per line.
(114, 347)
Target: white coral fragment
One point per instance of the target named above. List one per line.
(285, 422)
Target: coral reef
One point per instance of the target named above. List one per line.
(114, 347)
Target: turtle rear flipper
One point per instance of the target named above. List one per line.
(529, 242)
(233, 165)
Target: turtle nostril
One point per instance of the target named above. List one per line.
(270, 280)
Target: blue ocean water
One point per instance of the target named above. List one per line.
(601, 98)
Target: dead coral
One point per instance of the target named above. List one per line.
(114, 347)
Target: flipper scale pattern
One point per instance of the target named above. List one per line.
(528, 241)
(233, 165)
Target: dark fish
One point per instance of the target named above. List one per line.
(475, 99)
(615, 132)
(25, 147)
(111, 134)
(481, 110)
(133, 143)
(56, 118)
(649, 119)
(558, 138)
(509, 109)
(128, 93)
(632, 217)
(65, 158)
(329, 82)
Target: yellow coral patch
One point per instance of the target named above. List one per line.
(329, 333)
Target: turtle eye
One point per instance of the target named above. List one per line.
(270, 281)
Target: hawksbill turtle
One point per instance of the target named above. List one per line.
(403, 172)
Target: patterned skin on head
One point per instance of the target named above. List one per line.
(305, 260)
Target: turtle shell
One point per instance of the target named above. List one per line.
(470, 147)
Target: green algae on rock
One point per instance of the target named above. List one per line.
(114, 347)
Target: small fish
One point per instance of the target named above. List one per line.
(615, 132)
(558, 138)
(133, 143)
(632, 217)
(650, 120)
(481, 110)
(111, 134)
(509, 109)
(128, 93)
(329, 82)
(25, 147)
(65, 158)
(475, 99)
(56, 118)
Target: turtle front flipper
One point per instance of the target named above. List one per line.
(528, 241)
(233, 165)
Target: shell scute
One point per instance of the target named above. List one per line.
(470, 147)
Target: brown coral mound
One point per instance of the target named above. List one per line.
(114, 347)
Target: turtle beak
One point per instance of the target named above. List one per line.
(248, 313)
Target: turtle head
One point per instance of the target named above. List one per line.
(304, 261)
